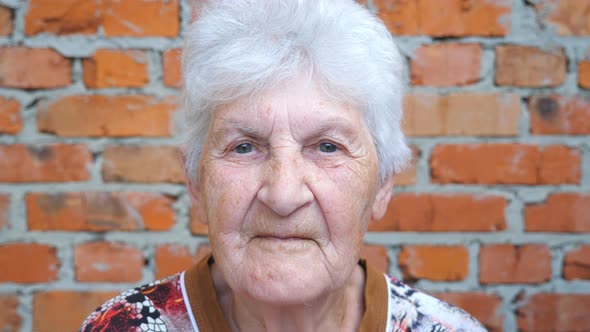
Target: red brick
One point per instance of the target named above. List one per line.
(584, 72)
(10, 320)
(408, 176)
(136, 18)
(376, 256)
(576, 264)
(446, 64)
(446, 17)
(48, 163)
(559, 115)
(114, 68)
(172, 68)
(4, 211)
(486, 308)
(561, 212)
(149, 164)
(442, 213)
(526, 66)
(107, 262)
(505, 164)
(51, 70)
(463, 114)
(547, 312)
(5, 21)
(65, 310)
(99, 211)
(28, 263)
(10, 120)
(439, 263)
(196, 225)
(568, 18)
(115, 116)
(174, 258)
(509, 264)
(64, 16)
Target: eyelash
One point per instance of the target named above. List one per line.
(253, 147)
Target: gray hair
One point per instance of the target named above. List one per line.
(240, 48)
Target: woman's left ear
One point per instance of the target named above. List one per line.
(382, 198)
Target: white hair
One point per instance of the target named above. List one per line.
(240, 48)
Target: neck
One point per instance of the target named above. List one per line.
(340, 310)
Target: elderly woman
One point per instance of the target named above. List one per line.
(293, 112)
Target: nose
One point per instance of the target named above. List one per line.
(284, 188)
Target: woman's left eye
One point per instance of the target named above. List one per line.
(328, 147)
(244, 148)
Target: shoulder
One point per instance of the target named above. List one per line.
(157, 306)
(412, 310)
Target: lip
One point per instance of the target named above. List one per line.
(281, 238)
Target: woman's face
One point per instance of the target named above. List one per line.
(288, 183)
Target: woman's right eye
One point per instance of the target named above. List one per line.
(244, 148)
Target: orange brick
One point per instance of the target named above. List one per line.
(546, 312)
(561, 212)
(559, 115)
(115, 116)
(446, 64)
(408, 176)
(439, 263)
(4, 211)
(64, 16)
(442, 213)
(51, 70)
(113, 68)
(10, 120)
(576, 264)
(172, 68)
(463, 114)
(107, 262)
(99, 211)
(48, 163)
(505, 164)
(5, 21)
(509, 264)
(584, 74)
(136, 18)
(196, 225)
(174, 258)
(28, 263)
(125, 163)
(376, 256)
(526, 66)
(485, 307)
(65, 310)
(10, 320)
(568, 18)
(446, 17)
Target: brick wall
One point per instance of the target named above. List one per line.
(494, 216)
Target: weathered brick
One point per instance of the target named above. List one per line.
(576, 264)
(526, 66)
(10, 120)
(408, 176)
(51, 70)
(172, 68)
(505, 164)
(568, 18)
(509, 264)
(446, 64)
(99, 211)
(174, 258)
(442, 213)
(559, 115)
(5, 21)
(41, 265)
(10, 320)
(584, 71)
(107, 262)
(376, 256)
(64, 16)
(126, 163)
(4, 211)
(471, 114)
(547, 312)
(485, 307)
(446, 18)
(115, 116)
(114, 68)
(136, 18)
(65, 310)
(47, 163)
(561, 212)
(439, 263)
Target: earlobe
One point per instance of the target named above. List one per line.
(382, 198)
